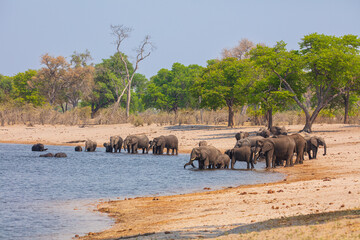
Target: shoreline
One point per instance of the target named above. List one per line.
(322, 186)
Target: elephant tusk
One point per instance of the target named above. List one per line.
(192, 159)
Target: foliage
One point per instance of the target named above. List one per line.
(171, 89)
(6, 87)
(224, 83)
(23, 92)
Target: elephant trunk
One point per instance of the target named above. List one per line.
(324, 149)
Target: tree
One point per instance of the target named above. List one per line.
(110, 84)
(266, 93)
(170, 90)
(143, 51)
(244, 46)
(224, 83)
(79, 78)
(51, 79)
(22, 91)
(324, 64)
(6, 87)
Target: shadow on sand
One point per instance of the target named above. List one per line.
(214, 231)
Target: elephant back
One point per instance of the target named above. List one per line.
(171, 141)
(143, 141)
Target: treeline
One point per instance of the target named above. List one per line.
(259, 80)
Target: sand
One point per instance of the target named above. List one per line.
(316, 192)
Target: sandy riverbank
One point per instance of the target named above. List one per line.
(330, 183)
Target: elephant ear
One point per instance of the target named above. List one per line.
(203, 154)
(313, 141)
(259, 143)
(267, 146)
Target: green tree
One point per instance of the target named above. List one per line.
(224, 83)
(23, 92)
(170, 90)
(266, 93)
(6, 87)
(323, 65)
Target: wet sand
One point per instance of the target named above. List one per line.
(328, 184)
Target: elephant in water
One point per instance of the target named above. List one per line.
(223, 161)
(39, 147)
(108, 147)
(133, 142)
(169, 142)
(206, 155)
(116, 143)
(244, 154)
(78, 149)
(313, 143)
(276, 149)
(90, 146)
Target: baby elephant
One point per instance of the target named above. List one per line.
(243, 154)
(223, 161)
(108, 147)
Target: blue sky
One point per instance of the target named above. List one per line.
(185, 31)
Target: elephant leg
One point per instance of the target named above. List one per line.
(248, 164)
(232, 163)
(308, 152)
(315, 152)
(167, 151)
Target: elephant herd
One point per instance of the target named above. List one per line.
(133, 143)
(274, 146)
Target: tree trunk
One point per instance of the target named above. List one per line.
(311, 120)
(128, 101)
(231, 116)
(269, 118)
(346, 103)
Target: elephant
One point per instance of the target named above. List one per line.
(203, 143)
(244, 154)
(263, 132)
(39, 147)
(251, 142)
(116, 143)
(60, 155)
(276, 149)
(278, 130)
(300, 148)
(47, 155)
(241, 135)
(133, 142)
(169, 142)
(108, 147)
(206, 155)
(90, 146)
(78, 149)
(223, 161)
(313, 143)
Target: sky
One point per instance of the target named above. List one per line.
(184, 31)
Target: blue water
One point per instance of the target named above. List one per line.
(51, 198)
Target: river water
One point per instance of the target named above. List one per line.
(55, 198)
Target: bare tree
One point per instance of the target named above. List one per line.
(239, 51)
(143, 51)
